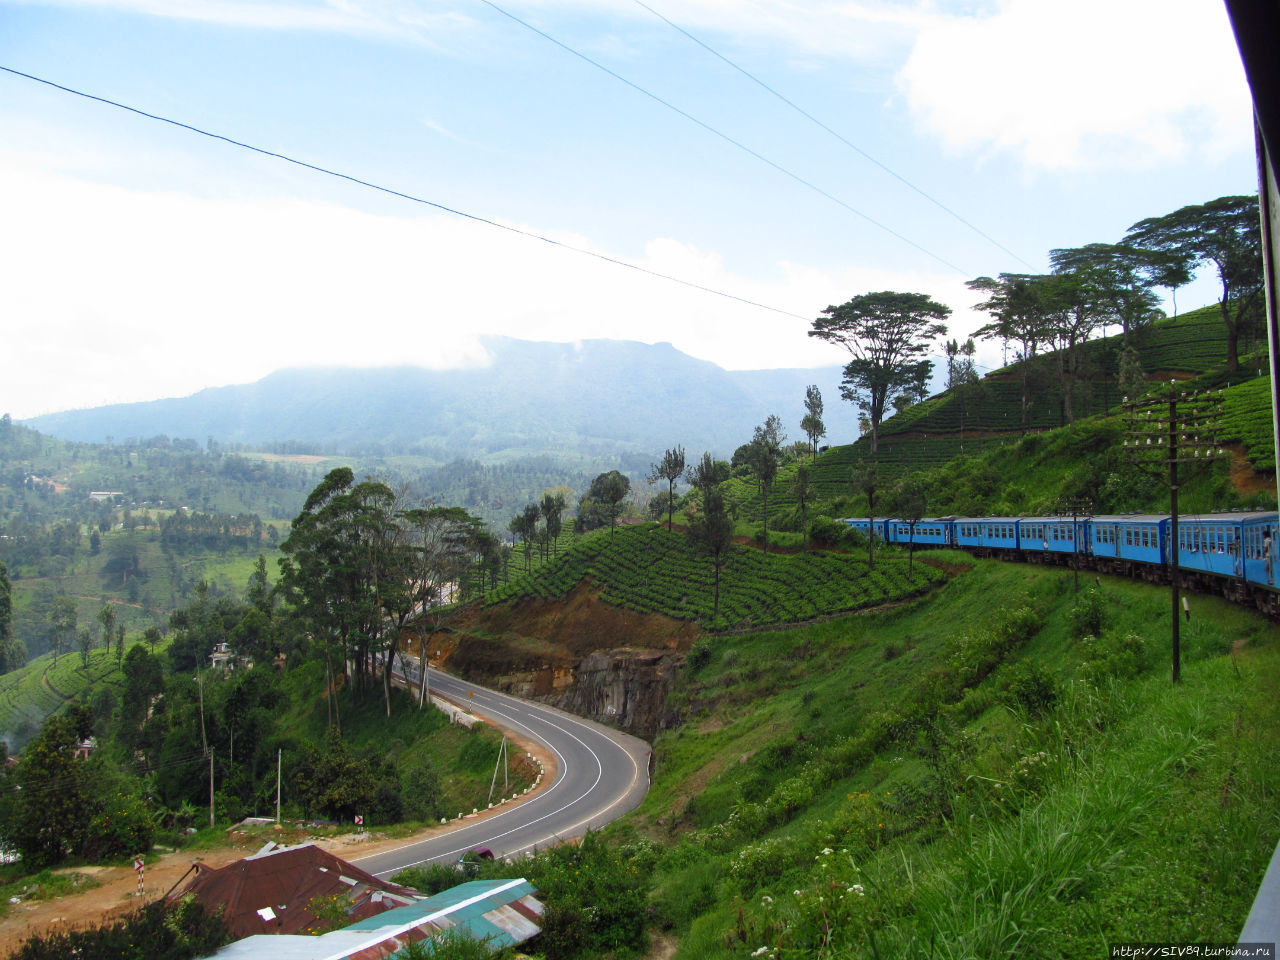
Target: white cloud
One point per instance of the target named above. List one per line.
(118, 295)
(1083, 83)
(388, 18)
(822, 27)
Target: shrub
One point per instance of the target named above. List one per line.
(1030, 688)
(159, 930)
(1089, 614)
(826, 532)
(420, 788)
(689, 893)
(758, 863)
(1121, 657)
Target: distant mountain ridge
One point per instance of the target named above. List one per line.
(594, 396)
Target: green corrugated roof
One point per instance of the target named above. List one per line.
(462, 907)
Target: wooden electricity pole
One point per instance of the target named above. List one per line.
(1173, 445)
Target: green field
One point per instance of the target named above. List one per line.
(650, 570)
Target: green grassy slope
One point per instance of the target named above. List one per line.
(966, 776)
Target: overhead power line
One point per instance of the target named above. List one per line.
(407, 196)
(725, 137)
(852, 146)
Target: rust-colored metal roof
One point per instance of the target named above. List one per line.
(270, 892)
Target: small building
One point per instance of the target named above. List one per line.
(225, 659)
(499, 913)
(273, 891)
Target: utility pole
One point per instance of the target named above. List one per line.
(1076, 506)
(278, 753)
(210, 789)
(204, 742)
(1160, 439)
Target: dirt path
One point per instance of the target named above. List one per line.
(116, 892)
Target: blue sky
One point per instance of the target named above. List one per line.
(143, 261)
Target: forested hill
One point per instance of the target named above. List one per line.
(596, 396)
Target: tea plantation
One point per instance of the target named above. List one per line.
(651, 570)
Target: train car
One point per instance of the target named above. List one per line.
(986, 533)
(929, 532)
(1054, 535)
(1258, 532)
(1123, 540)
(864, 525)
(1211, 543)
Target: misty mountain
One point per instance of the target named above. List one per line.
(592, 397)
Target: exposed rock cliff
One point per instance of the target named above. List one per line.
(566, 653)
(625, 688)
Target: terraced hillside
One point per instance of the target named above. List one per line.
(928, 436)
(651, 570)
(41, 687)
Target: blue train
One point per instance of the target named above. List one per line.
(1230, 553)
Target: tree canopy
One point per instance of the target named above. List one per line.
(670, 468)
(888, 334)
(1224, 232)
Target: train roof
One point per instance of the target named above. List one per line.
(1252, 515)
(1256, 516)
(1056, 518)
(1130, 518)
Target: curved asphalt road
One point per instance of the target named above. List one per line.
(602, 774)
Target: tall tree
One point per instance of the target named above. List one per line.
(13, 653)
(811, 423)
(1018, 306)
(908, 501)
(1226, 233)
(802, 489)
(47, 815)
(707, 473)
(107, 617)
(1076, 307)
(670, 468)
(888, 335)
(333, 569)
(609, 490)
(766, 457)
(63, 617)
(1121, 277)
(525, 525)
(962, 377)
(85, 639)
(552, 506)
(865, 479)
(258, 591)
(712, 530)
